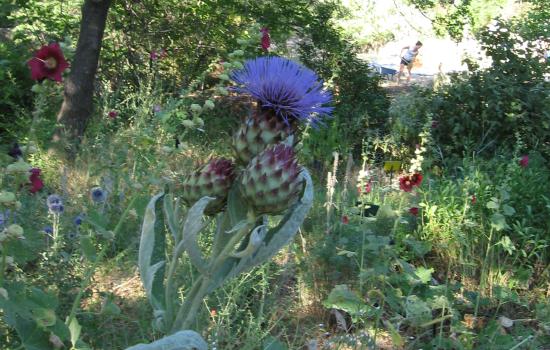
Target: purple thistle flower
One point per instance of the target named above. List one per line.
(98, 195)
(293, 91)
(78, 219)
(55, 204)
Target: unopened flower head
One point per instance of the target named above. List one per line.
(98, 195)
(48, 62)
(7, 198)
(293, 91)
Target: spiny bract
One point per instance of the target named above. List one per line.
(213, 180)
(262, 129)
(271, 183)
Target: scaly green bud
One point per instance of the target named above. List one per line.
(262, 129)
(270, 182)
(213, 180)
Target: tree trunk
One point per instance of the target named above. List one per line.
(79, 86)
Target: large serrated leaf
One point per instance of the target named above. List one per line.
(182, 340)
(151, 254)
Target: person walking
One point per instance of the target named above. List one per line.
(407, 60)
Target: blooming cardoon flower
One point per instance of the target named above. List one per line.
(524, 161)
(266, 40)
(98, 194)
(293, 91)
(413, 211)
(48, 62)
(270, 182)
(213, 180)
(35, 180)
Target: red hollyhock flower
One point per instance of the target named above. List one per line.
(524, 161)
(473, 199)
(113, 114)
(36, 183)
(405, 183)
(413, 211)
(266, 40)
(416, 179)
(345, 220)
(48, 62)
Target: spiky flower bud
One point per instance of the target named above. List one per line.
(262, 129)
(271, 183)
(213, 180)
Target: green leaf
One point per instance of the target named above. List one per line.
(171, 219)
(424, 274)
(182, 340)
(493, 205)
(343, 298)
(272, 343)
(508, 210)
(74, 329)
(151, 255)
(87, 247)
(191, 229)
(418, 312)
(498, 221)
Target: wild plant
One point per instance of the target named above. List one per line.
(243, 196)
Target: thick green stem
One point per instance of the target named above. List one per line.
(3, 266)
(187, 312)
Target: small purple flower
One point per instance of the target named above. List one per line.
(293, 91)
(98, 195)
(157, 109)
(48, 230)
(15, 152)
(78, 219)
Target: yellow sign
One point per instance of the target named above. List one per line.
(392, 165)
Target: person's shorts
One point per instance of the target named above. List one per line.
(405, 62)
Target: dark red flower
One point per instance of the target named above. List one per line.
(35, 180)
(345, 220)
(368, 187)
(266, 40)
(413, 211)
(113, 114)
(416, 179)
(524, 161)
(473, 199)
(435, 124)
(48, 62)
(213, 313)
(405, 183)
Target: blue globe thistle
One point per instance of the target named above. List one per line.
(48, 230)
(98, 195)
(55, 204)
(78, 219)
(293, 91)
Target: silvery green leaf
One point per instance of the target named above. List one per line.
(182, 340)
(191, 228)
(256, 238)
(171, 219)
(151, 251)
